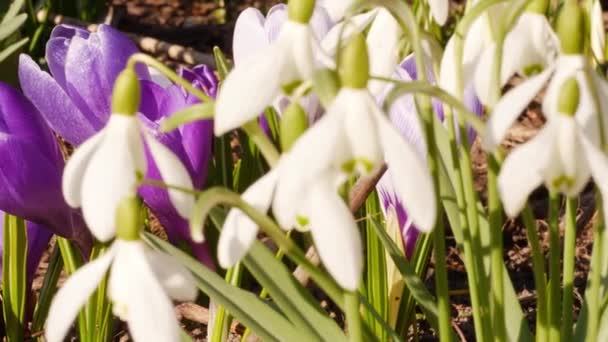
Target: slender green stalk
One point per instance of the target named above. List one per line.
(540, 281)
(222, 317)
(49, 287)
(554, 304)
(569, 261)
(14, 277)
(255, 133)
(495, 211)
(594, 298)
(172, 75)
(353, 316)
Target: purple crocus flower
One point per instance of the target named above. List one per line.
(404, 116)
(84, 67)
(191, 143)
(31, 167)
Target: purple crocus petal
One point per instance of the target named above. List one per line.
(202, 77)
(68, 32)
(116, 48)
(54, 104)
(89, 88)
(57, 49)
(152, 95)
(471, 101)
(197, 139)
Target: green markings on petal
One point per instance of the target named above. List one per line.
(126, 94)
(532, 69)
(300, 10)
(350, 165)
(562, 181)
(128, 219)
(294, 123)
(570, 28)
(302, 221)
(569, 97)
(354, 63)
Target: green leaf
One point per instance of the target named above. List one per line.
(247, 308)
(200, 111)
(12, 25)
(11, 49)
(221, 63)
(297, 303)
(422, 295)
(49, 287)
(14, 273)
(15, 7)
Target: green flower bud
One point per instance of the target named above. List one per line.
(126, 94)
(538, 6)
(294, 123)
(300, 10)
(128, 219)
(326, 85)
(570, 27)
(354, 63)
(569, 96)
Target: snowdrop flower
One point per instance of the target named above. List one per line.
(439, 10)
(258, 80)
(570, 63)
(531, 46)
(105, 168)
(302, 188)
(563, 155)
(598, 32)
(141, 284)
(383, 41)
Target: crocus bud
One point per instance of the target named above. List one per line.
(569, 97)
(354, 63)
(293, 124)
(538, 6)
(126, 94)
(128, 219)
(300, 10)
(571, 28)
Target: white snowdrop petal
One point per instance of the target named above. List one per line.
(520, 173)
(302, 51)
(340, 34)
(148, 305)
(267, 68)
(439, 9)
(75, 169)
(239, 231)
(249, 35)
(383, 45)
(73, 295)
(175, 278)
(598, 164)
(361, 129)
(336, 236)
(598, 32)
(483, 77)
(509, 108)
(174, 173)
(411, 178)
(110, 176)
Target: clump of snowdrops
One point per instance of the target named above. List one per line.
(352, 123)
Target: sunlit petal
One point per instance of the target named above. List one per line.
(76, 167)
(383, 45)
(176, 280)
(439, 9)
(249, 35)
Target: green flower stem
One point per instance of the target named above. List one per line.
(594, 298)
(568, 273)
(14, 277)
(496, 273)
(49, 287)
(172, 75)
(540, 280)
(472, 265)
(222, 317)
(269, 151)
(554, 303)
(353, 316)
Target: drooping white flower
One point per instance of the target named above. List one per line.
(354, 137)
(565, 154)
(383, 41)
(141, 285)
(258, 80)
(440, 10)
(530, 46)
(105, 169)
